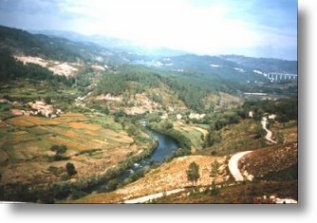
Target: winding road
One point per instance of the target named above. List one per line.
(234, 167)
(234, 160)
(269, 134)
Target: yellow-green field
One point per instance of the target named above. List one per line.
(193, 132)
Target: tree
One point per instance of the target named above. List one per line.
(168, 125)
(214, 169)
(193, 172)
(233, 118)
(282, 118)
(210, 139)
(70, 168)
(59, 149)
(112, 185)
(132, 130)
(105, 110)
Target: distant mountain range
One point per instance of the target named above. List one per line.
(227, 66)
(71, 46)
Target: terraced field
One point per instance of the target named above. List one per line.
(92, 146)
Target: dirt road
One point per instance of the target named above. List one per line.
(234, 165)
(269, 134)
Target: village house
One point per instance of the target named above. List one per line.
(164, 116)
(42, 108)
(17, 112)
(196, 116)
(47, 110)
(272, 117)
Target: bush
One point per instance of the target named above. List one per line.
(280, 138)
(167, 125)
(110, 186)
(70, 168)
(211, 139)
(132, 130)
(59, 157)
(59, 149)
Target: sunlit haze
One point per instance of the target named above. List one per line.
(258, 28)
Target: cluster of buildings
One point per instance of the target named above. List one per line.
(179, 116)
(35, 108)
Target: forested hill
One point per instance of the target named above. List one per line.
(22, 42)
(264, 64)
(210, 65)
(189, 78)
(227, 67)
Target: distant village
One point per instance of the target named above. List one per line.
(39, 107)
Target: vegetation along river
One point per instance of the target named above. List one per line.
(165, 148)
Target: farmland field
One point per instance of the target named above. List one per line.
(26, 155)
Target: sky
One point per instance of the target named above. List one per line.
(259, 28)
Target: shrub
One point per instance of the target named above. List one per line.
(193, 172)
(59, 149)
(211, 139)
(59, 157)
(70, 168)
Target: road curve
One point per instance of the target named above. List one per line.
(234, 165)
(269, 134)
(233, 168)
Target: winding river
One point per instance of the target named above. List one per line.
(166, 147)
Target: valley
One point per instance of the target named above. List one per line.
(83, 123)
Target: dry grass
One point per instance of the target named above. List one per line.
(81, 125)
(236, 137)
(243, 193)
(167, 177)
(29, 121)
(223, 100)
(73, 115)
(72, 145)
(271, 159)
(2, 124)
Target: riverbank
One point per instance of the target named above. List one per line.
(163, 147)
(168, 177)
(71, 188)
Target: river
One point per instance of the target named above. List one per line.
(166, 147)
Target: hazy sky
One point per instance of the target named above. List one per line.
(261, 28)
